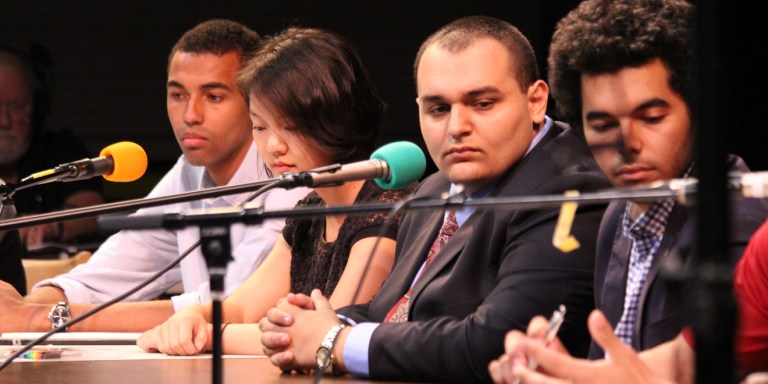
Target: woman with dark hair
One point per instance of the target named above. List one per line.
(311, 104)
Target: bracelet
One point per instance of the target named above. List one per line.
(221, 333)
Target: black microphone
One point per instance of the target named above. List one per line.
(78, 170)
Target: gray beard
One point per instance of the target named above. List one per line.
(12, 147)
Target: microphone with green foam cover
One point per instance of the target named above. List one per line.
(392, 166)
(405, 161)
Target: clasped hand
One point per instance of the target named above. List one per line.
(293, 330)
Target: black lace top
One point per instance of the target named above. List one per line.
(316, 263)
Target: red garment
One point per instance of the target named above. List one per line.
(751, 292)
(688, 337)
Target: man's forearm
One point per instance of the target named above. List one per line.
(29, 318)
(46, 295)
(120, 317)
(123, 317)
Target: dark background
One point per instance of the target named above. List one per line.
(110, 59)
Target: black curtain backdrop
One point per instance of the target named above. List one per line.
(109, 59)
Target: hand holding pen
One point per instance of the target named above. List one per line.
(554, 326)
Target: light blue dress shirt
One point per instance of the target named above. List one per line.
(129, 257)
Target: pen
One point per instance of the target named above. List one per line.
(40, 353)
(554, 325)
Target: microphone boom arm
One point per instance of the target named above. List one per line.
(128, 205)
(44, 177)
(324, 176)
(258, 214)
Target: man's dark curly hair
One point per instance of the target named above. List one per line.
(605, 36)
(219, 36)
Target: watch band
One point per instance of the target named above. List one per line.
(327, 345)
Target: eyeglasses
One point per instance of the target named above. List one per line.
(17, 108)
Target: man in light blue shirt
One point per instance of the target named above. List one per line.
(211, 123)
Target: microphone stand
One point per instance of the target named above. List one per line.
(288, 180)
(129, 205)
(217, 249)
(7, 210)
(57, 174)
(712, 309)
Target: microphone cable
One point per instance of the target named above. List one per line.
(398, 207)
(89, 313)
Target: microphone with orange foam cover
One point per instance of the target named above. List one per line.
(129, 161)
(122, 162)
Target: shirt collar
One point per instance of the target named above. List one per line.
(543, 131)
(250, 170)
(463, 214)
(652, 223)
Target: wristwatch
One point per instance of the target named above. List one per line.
(324, 355)
(59, 314)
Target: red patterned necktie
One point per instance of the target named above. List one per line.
(399, 312)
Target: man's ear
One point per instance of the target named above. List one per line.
(538, 94)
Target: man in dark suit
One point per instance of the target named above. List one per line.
(627, 80)
(621, 71)
(482, 114)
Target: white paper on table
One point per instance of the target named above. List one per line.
(67, 338)
(112, 352)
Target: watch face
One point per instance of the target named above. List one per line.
(59, 315)
(323, 357)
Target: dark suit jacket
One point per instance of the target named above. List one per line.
(660, 313)
(497, 272)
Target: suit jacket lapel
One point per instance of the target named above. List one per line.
(457, 243)
(615, 284)
(668, 241)
(405, 271)
(452, 249)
